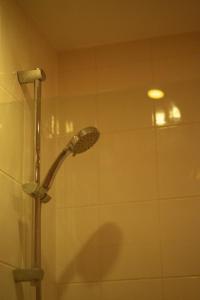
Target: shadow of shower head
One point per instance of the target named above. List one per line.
(79, 143)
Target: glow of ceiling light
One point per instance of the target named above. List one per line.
(57, 127)
(69, 126)
(175, 113)
(155, 94)
(160, 118)
(52, 124)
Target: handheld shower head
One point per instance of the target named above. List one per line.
(79, 143)
(85, 139)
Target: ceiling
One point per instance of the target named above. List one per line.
(70, 24)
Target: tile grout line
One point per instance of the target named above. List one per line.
(131, 279)
(159, 210)
(8, 265)
(178, 198)
(10, 176)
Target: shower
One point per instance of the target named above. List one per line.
(79, 143)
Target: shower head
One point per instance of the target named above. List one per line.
(79, 143)
(85, 139)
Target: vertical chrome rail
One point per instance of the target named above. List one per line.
(37, 210)
(35, 274)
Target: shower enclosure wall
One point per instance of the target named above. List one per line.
(22, 47)
(38, 190)
(127, 213)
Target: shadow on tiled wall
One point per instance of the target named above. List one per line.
(87, 265)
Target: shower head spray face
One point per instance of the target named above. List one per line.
(85, 139)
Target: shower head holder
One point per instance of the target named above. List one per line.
(30, 76)
(36, 191)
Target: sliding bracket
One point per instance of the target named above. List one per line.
(21, 275)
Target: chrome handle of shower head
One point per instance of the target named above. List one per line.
(50, 176)
(40, 192)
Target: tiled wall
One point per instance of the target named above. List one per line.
(128, 209)
(21, 48)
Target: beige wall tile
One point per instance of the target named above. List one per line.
(169, 70)
(77, 82)
(130, 246)
(48, 242)
(15, 27)
(49, 127)
(85, 225)
(12, 230)
(11, 135)
(175, 58)
(49, 291)
(175, 45)
(87, 264)
(127, 166)
(179, 235)
(136, 222)
(180, 105)
(137, 75)
(80, 231)
(192, 66)
(132, 289)
(178, 159)
(85, 291)
(86, 231)
(12, 291)
(48, 155)
(124, 110)
(130, 261)
(121, 255)
(28, 142)
(187, 288)
(122, 53)
(8, 289)
(65, 253)
(75, 113)
(83, 58)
